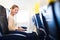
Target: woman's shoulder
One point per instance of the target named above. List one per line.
(10, 17)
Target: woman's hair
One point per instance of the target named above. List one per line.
(14, 6)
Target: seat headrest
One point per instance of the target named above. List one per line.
(2, 11)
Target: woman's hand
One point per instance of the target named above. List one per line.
(21, 29)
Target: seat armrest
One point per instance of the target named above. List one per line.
(14, 37)
(15, 34)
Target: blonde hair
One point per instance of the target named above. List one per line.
(14, 6)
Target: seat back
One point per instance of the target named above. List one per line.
(3, 20)
(52, 28)
(39, 26)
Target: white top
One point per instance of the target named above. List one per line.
(11, 23)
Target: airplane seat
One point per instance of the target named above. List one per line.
(40, 28)
(52, 28)
(3, 20)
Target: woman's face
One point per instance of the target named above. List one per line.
(15, 10)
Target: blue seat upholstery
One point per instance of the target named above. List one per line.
(52, 26)
(40, 28)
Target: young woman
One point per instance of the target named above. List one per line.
(11, 21)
